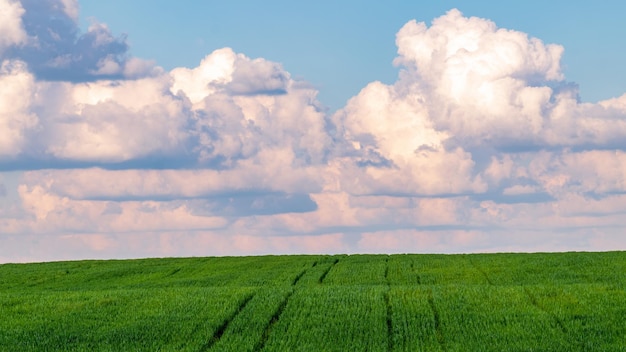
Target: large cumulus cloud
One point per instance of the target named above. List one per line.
(45, 34)
(480, 145)
(189, 117)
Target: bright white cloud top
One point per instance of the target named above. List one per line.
(480, 145)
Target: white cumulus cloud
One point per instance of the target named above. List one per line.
(11, 27)
(17, 122)
(480, 145)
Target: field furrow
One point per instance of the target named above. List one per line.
(217, 335)
(477, 302)
(327, 270)
(332, 318)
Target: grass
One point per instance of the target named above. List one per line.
(478, 302)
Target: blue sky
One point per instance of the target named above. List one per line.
(341, 46)
(153, 128)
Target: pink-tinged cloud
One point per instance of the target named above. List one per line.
(17, 122)
(480, 145)
(164, 119)
(11, 25)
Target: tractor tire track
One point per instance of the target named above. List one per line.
(418, 278)
(321, 280)
(437, 320)
(279, 311)
(298, 277)
(389, 308)
(480, 270)
(217, 335)
(272, 322)
(554, 317)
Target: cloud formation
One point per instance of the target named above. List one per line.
(480, 145)
(45, 34)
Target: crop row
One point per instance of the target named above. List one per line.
(514, 302)
(476, 269)
(119, 320)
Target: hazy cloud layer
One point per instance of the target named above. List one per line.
(480, 145)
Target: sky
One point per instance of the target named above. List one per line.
(159, 129)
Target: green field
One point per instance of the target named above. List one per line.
(472, 302)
